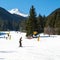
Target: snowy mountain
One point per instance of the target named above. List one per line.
(7, 17)
(16, 11)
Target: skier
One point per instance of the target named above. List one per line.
(20, 42)
(39, 38)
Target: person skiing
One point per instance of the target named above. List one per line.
(20, 42)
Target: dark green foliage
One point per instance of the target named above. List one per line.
(31, 24)
(1, 24)
(22, 26)
(49, 24)
(44, 20)
(53, 21)
(40, 23)
(9, 21)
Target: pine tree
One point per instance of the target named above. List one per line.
(40, 23)
(31, 25)
(57, 23)
(44, 21)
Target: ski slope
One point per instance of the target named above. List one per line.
(48, 48)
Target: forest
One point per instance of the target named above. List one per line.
(41, 24)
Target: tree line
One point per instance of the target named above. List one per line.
(41, 24)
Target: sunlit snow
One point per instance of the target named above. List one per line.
(16, 11)
(47, 48)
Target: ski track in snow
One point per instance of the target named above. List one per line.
(48, 48)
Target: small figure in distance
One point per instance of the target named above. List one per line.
(20, 42)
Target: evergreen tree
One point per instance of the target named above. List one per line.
(40, 23)
(44, 21)
(1, 24)
(57, 23)
(31, 25)
(53, 22)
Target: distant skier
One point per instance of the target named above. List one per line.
(8, 34)
(39, 38)
(20, 42)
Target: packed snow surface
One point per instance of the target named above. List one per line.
(47, 48)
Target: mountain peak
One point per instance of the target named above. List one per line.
(16, 11)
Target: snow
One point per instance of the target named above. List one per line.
(16, 11)
(48, 48)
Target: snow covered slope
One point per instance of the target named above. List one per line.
(16, 11)
(48, 48)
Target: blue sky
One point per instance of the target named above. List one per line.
(43, 7)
